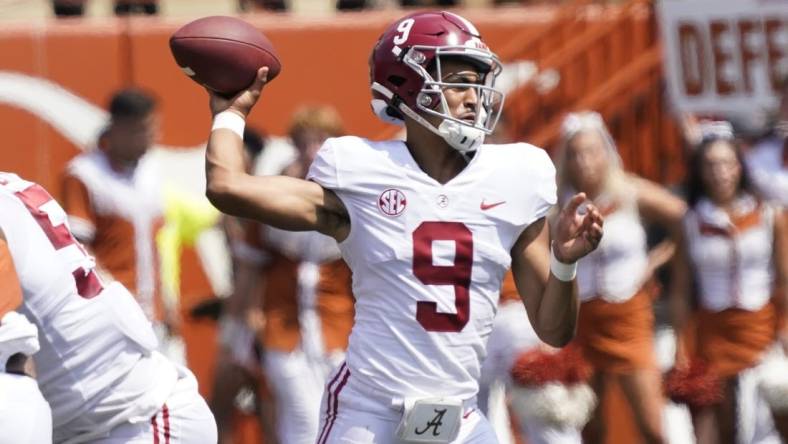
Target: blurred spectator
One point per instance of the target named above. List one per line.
(616, 323)
(730, 270)
(293, 268)
(76, 8)
(128, 7)
(266, 5)
(357, 5)
(427, 3)
(352, 5)
(114, 203)
(309, 128)
(767, 160)
(68, 8)
(334, 306)
(238, 365)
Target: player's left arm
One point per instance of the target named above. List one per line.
(551, 303)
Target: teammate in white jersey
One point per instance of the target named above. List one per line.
(428, 226)
(25, 417)
(97, 366)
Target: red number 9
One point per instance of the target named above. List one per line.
(458, 275)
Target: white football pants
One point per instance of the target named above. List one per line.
(352, 415)
(297, 384)
(184, 418)
(25, 417)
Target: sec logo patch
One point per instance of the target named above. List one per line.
(392, 202)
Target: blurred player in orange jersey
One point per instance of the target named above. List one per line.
(308, 313)
(307, 316)
(25, 417)
(238, 363)
(300, 347)
(334, 305)
(97, 366)
(115, 206)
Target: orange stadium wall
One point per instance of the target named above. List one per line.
(324, 61)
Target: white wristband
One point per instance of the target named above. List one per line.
(561, 271)
(231, 121)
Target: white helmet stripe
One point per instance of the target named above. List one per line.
(465, 22)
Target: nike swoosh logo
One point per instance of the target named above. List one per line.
(486, 207)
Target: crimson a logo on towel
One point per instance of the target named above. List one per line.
(392, 202)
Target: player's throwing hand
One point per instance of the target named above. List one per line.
(242, 102)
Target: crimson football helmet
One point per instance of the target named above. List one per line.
(406, 76)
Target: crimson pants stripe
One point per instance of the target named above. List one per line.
(330, 421)
(155, 429)
(328, 400)
(166, 415)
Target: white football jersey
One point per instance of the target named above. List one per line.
(96, 367)
(428, 259)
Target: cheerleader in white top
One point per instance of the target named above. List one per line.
(730, 268)
(615, 325)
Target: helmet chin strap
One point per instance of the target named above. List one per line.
(462, 138)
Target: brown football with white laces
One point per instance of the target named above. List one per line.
(223, 53)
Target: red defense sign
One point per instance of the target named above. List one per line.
(724, 56)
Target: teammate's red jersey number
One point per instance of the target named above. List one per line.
(34, 198)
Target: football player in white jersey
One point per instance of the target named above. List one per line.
(428, 226)
(25, 417)
(97, 366)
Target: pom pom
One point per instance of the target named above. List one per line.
(773, 386)
(537, 367)
(696, 385)
(556, 404)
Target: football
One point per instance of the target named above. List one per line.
(223, 53)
